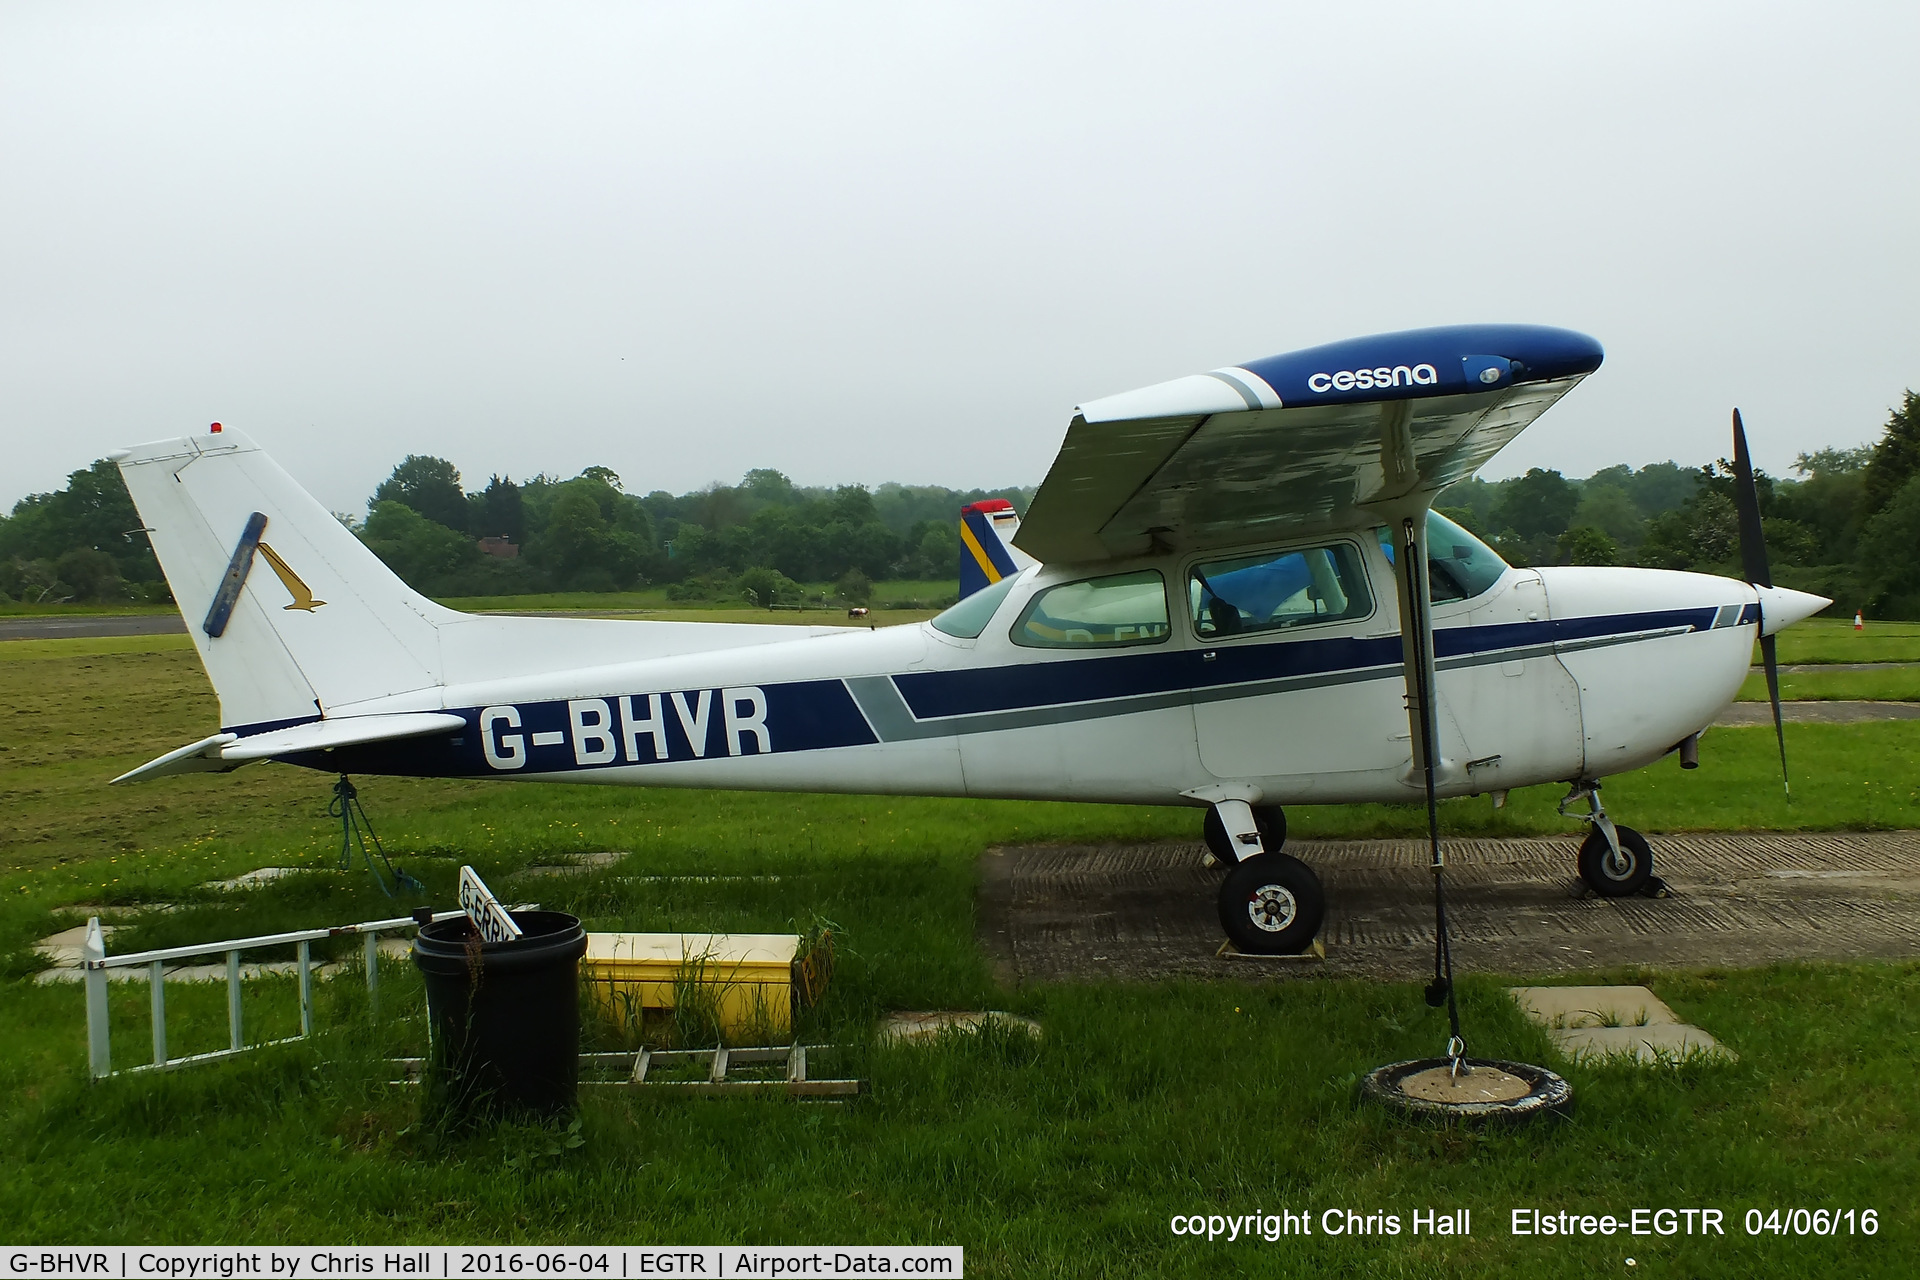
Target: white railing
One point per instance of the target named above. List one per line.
(95, 961)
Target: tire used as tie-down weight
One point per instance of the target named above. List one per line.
(505, 1016)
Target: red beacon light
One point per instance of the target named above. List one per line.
(215, 429)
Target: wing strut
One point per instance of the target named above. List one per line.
(1416, 635)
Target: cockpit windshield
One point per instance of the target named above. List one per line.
(1459, 565)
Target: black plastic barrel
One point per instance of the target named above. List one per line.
(505, 1015)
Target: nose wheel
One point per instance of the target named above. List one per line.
(1615, 861)
(1617, 873)
(1272, 905)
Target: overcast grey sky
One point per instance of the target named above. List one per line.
(901, 241)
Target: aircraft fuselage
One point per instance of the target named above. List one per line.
(1545, 676)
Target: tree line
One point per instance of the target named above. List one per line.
(760, 538)
(1840, 525)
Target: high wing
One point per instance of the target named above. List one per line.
(1295, 444)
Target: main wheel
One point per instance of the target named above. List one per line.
(1270, 819)
(1616, 879)
(1272, 905)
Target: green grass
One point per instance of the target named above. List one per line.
(1835, 640)
(1890, 684)
(1064, 1157)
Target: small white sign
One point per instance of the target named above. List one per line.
(488, 916)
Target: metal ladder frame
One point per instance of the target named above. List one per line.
(95, 962)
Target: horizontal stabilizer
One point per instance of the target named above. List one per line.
(351, 731)
(196, 757)
(224, 752)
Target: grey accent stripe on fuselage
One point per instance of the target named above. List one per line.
(892, 720)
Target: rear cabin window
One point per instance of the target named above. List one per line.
(1112, 612)
(1278, 589)
(967, 619)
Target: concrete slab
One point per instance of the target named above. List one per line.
(1564, 1007)
(572, 864)
(63, 948)
(254, 879)
(922, 1027)
(1651, 1045)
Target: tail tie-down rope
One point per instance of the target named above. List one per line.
(356, 833)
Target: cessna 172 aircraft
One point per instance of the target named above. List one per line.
(1230, 592)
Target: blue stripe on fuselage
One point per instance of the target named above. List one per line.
(936, 694)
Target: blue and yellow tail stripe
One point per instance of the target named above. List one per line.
(983, 557)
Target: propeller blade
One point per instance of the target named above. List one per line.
(1746, 500)
(1753, 562)
(1772, 666)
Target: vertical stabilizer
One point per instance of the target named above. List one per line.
(987, 553)
(293, 616)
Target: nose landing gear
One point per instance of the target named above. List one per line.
(1615, 861)
(1270, 820)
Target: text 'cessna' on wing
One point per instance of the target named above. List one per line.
(1400, 375)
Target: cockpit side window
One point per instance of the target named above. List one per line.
(1278, 589)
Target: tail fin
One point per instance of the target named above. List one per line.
(987, 553)
(293, 616)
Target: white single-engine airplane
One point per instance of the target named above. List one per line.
(1211, 602)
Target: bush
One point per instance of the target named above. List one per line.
(854, 587)
(767, 587)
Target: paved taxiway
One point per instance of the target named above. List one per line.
(1147, 911)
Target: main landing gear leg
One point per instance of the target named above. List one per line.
(1270, 903)
(1225, 848)
(1615, 861)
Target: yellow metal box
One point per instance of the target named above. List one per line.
(745, 980)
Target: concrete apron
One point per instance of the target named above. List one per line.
(1611, 1024)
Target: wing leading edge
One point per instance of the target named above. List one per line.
(1295, 444)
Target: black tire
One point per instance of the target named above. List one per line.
(1271, 820)
(1272, 905)
(1607, 880)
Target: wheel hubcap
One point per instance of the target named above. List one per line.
(1271, 907)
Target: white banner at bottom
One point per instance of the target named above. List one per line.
(460, 1262)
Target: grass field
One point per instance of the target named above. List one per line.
(1835, 640)
(1065, 1157)
(1888, 684)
